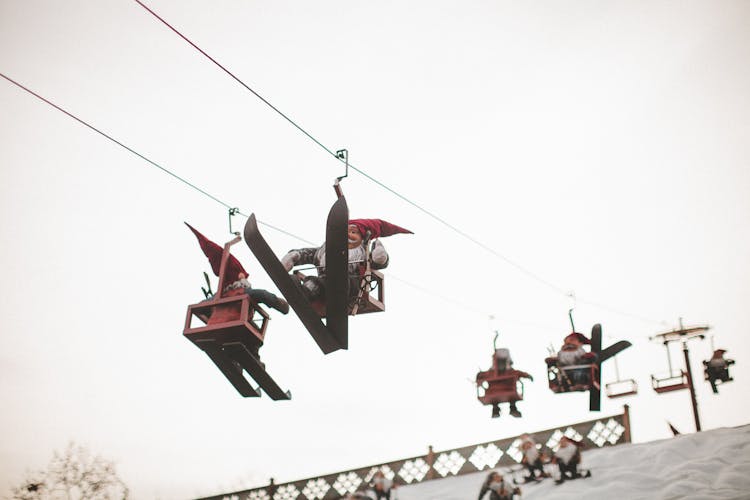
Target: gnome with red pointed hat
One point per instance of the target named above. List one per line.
(572, 353)
(361, 231)
(236, 275)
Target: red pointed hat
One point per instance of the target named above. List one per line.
(579, 337)
(378, 228)
(214, 252)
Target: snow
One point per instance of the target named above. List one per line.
(707, 465)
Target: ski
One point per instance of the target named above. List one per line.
(612, 350)
(292, 292)
(256, 370)
(231, 371)
(337, 272)
(595, 391)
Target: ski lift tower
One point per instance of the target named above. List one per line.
(683, 335)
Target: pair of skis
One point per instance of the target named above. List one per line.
(595, 392)
(232, 359)
(334, 334)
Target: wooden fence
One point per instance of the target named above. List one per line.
(605, 431)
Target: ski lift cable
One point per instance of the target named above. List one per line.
(427, 212)
(339, 158)
(233, 209)
(148, 160)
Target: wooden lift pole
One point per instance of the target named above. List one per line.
(691, 386)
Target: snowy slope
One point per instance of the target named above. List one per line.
(708, 465)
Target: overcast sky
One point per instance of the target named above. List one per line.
(599, 148)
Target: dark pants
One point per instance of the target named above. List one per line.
(263, 297)
(568, 471)
(536, 465)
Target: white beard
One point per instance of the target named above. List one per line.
(566, 453)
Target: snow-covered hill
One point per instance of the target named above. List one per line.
(709, 465)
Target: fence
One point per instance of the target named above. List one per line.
(606, 431)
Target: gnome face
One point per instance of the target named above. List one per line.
(355, 237)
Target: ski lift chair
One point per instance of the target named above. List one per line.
(717, 375)
(673, 381)
(560, 377)
(500, 384)
(233, 330)
(621, 388)
(230, 316)
(369, 299)
(720, 374)
(493, 388)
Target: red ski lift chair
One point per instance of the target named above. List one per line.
(233, 330)
(499, 384)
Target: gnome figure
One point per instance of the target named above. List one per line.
(236, 275)
(360, 232)
(572, 353)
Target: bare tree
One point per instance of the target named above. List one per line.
(73, 475)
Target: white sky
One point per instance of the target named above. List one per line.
(602, 146)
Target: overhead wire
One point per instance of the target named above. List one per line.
(215, 198)
(361, 172)
(143, 157)
(427, 212)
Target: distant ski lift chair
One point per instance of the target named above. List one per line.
(672, 381)
(621, 388)
(499, 386)
(717, 373)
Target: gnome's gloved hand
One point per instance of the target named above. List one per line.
(290, 259)
(379, 255)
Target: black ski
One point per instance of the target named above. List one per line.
(231, 371)
(337, 272)
(602, 355)
(291, 290)
(595, 390)
(256, 370)
(615, 348)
